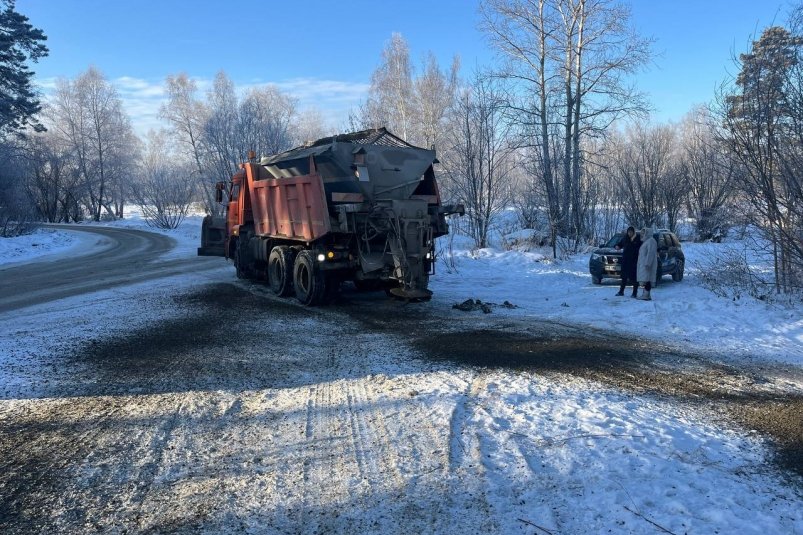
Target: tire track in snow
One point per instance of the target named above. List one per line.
(378, 459)
(146, 475)
(466, 455)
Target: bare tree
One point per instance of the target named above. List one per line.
(221, 129)
(644, 170)
(265, 121)
(413, 107)
(164, 188)
(51, 181)
(309, 126)
(601, 51)
(761, 118)
(16, 210)
(524, 32)
(217, 133)
(187, 116)
(708, 170)
(605, 203)
(568, 64)
(87, 115)
(433, 95)
(390, 98)
(479, 161)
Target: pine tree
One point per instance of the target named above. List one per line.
(19, 43)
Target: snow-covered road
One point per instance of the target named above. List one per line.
(198, 403)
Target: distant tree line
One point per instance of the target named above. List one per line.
(554, 128)
(86, 163)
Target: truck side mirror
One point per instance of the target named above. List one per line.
(219, 192)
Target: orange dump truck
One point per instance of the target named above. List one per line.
(361, 207)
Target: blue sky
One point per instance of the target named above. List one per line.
(323, 52)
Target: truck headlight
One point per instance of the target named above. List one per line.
(595, 256)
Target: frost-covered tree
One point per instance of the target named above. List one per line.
(266, 121)
(164, 187)
(87, 114)
(221, 127)
(187, 115)
(414, 108)
(390, 98)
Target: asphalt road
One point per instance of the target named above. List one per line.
(121, 257)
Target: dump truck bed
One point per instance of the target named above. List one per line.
(292, 208)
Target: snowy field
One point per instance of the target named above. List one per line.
(451, 449)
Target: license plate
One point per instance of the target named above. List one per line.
(615, 267)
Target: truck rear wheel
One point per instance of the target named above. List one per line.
(280, 270)
(309, 281)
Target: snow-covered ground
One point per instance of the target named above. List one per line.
(452, 449)
(684, 314)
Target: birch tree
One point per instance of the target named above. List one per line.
(221, 128)
(265, 121)
(479, 161)
(187, 116)
(88, 116)
(433, 94)
(390, 97)
(568, 63)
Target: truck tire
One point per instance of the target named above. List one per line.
(280, 270)
(308, 280)
(677, 276)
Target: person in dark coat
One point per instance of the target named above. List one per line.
(629, 244)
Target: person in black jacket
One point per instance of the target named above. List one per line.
(630, 244)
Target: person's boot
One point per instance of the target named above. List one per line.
(621, 291)
(645, 296)
(634, 295)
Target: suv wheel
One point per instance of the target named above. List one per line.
(596, 280)
(677, 276)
